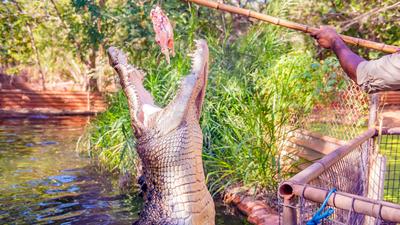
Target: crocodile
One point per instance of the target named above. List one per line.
(169, 143)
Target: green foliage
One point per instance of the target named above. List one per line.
(367, 19)
(110, 138)
(259, 89)
(14, 43)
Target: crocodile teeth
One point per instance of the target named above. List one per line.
(197, 57)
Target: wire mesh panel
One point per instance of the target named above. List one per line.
(343, 115)
(370, 171)
(348, 175)
(390, 148)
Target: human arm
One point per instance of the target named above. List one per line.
(382, 74)
(328, 38)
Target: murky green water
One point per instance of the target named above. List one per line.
(44, 181)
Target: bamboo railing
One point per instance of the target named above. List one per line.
(298, 186)
(292, 25)
(320, 166)
(378, 209)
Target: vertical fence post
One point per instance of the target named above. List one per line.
(377, 163)
(289, 212)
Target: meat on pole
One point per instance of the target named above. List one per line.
(292, 25)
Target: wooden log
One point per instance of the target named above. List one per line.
(30, 102)
(15, 113)
(48, 101)
(48, 92)
(38, 95)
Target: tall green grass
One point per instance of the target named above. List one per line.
(260, 86)
(109, 138)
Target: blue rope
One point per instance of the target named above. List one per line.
(320, 215)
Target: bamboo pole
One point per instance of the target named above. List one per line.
(292, 25)
(289, 212)
(297, 186)
(378, 209)
(373, 110)
(376, 181)
(375, 162)
(391, 131)
(327, 161)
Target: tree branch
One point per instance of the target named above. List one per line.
(347, 24)
(33, 44)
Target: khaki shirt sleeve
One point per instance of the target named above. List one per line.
(380, 75)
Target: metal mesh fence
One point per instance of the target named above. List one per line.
(371, 170)
(347, 175)
(389, 146)
(350, 175)
(343, 114)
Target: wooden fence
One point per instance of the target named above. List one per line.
(51, 102)
(390, 98)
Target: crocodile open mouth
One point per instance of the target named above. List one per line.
(143, 107)
(199, 56)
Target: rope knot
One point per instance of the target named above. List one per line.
(320, 214)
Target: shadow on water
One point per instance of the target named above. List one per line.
(44, 181)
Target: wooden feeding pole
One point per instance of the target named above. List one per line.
(292, 25)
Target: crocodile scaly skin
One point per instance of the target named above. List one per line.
(169, 144)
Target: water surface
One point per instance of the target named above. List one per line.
(43, 180)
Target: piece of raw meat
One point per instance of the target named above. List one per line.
(164, 31)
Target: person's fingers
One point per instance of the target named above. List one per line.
(314, 34)
(318, 36)
(323, 27)
(330, 29)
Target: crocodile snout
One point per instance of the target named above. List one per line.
(116, 56)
